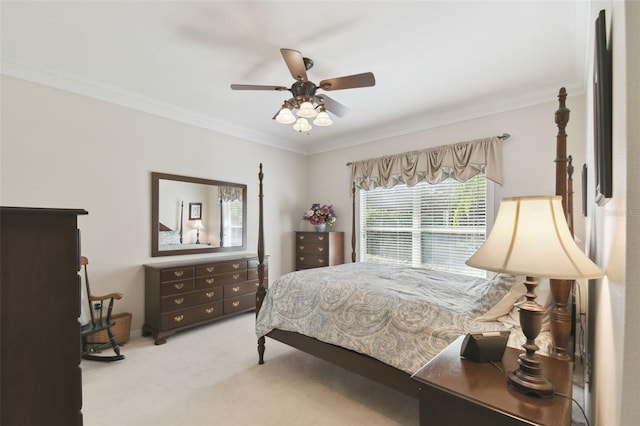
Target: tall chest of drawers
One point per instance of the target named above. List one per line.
(185, 294)
(317, 249)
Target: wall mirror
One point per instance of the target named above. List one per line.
(192, 215)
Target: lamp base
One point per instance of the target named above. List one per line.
(528, 379)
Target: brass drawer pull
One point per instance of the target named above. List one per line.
(178, 286)
(178, 301)
(320, 238)
(210, 280)
(210, 310)
(178, 273)
(178, 318)
(210, 268)
(301, 237)
(236, 304)
(236, 265)
(236, 289)
(210, 294)
(320, 249)
(236, 276)
(320, 260)
(300, 247)
(301, 258)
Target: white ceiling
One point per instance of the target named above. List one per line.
(435, 62)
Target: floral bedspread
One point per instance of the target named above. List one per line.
(401, 316)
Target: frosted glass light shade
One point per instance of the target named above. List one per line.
(302, 125)
(531, 237)
(306, 110)
(323, 119)
(285, 116)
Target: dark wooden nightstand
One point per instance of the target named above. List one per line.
(456, 391)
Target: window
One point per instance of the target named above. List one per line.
(427, 226)
(232, 223)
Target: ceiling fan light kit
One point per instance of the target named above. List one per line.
(302, 125)
(305, 101)
(285, 116)
(323, 119)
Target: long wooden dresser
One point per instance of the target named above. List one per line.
(185, 294)
(317, 249)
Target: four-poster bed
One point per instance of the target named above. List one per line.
(394, 376)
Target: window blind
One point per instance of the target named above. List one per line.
(427, 226)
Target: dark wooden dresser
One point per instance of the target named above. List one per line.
(186, 294)
(316, 249)
(40, 376)
(456, 391)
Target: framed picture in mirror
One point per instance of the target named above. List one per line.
(195, 211)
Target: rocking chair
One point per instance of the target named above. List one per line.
(99, 323)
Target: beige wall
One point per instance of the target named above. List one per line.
(614, 229)
(64, 150)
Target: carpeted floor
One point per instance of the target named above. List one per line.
(210, 376)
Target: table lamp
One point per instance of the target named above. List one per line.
(530, 237)
(198, 226)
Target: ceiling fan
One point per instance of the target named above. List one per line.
(305, 101)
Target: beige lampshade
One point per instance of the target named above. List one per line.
(531, 237)
(198, 225)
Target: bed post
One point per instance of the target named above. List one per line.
(181, 218)
(353, 222)
(261, 292)
(561, 289)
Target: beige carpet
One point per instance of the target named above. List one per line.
(210, 376)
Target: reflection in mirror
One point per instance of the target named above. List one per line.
(193, 215)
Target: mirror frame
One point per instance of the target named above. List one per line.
(155, 214)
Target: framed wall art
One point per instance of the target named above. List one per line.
(195, 211)
(602, 107)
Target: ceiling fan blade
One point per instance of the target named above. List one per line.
(332, 105)
(296, 64)
(256, 87)
(349, 82)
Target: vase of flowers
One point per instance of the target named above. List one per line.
(320, 216)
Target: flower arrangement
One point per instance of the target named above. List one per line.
(317, 214)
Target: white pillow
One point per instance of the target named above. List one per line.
(505, 305)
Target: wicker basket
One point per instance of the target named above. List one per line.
(121, 330)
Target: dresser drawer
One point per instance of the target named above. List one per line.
(240, 303)
(311, 261)
(311, 248)
(233, 290)
(252, 274)
(189, 316)
(177, 302)
(187, 300)
(253, 263)
(221, 268)
(176, 287)
(176, 274)
(218, 280)
(312, 238)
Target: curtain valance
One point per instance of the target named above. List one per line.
(230, 193)
(460, 161)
